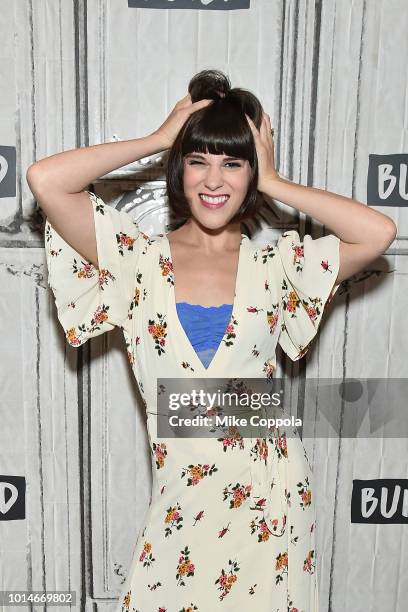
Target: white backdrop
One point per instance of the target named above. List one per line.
(332, 75)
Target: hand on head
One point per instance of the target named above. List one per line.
(264, 149)
(183, 109)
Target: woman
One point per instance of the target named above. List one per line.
(231, 522)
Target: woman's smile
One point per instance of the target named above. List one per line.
(210, 201)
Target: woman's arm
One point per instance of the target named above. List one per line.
(364, 233)
(57, 182)
(71, 171)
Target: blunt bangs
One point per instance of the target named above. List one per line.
(219, 131)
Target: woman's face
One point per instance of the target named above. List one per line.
(215, 187)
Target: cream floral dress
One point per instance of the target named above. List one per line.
(231, 521)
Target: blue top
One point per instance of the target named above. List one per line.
(204, 327)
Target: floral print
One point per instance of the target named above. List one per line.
(157, 329)
(173, 519)
(100, 315)
(104, 277)
(166, 267)
(86, 270)
(227, 578)
(126, 601)
(233, 440)
(146, 556)
(197, 473)
(309, 564)
(230, 332)
(259, 525)
(273, 317)
(281, 446)
(291, 303)
(160, 452)
(231, 519)
(137, 296)
(269, 369)
(290, 300)
(185, 567)
(298, 256)
(305, 493)
(236, 494)
(260, 450)
(267, 252)
(281, 566)
(124, 242)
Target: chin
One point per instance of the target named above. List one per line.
(212, 224)
(212, 219)
(216, 218)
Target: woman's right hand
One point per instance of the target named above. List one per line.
(168, 131)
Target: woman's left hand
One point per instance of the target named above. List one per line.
(265, 153)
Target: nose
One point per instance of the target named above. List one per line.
(214, 179)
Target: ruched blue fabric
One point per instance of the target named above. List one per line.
(204, 327)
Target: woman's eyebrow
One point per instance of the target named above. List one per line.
(189, 155)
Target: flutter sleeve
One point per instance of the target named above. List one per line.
(91, 301)
(309, 271)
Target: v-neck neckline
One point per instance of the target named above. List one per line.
(172, 307)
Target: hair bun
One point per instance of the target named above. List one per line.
(209, 84)
(215, 85)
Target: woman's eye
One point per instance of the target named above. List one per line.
(234, 164)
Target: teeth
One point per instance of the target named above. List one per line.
(213, 200)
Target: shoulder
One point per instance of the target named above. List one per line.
(267, 251)
(122, 222)
(290, 245)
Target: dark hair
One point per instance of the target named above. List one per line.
(220, 128)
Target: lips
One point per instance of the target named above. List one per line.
(212, 201)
